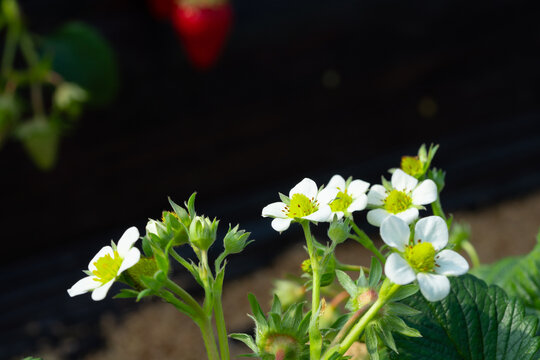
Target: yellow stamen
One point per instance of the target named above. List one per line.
(107, 267)
(421, 256)
(397, 201)
(301, 206)
(341, 202)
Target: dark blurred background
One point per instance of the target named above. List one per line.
(302, 89)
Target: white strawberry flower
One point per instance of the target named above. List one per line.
(351, 196)
(107, 265)
(305, 202)
(423, 258)
(403, 198)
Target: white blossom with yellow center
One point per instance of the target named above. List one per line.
(107, 265)
(404, 199)
(424, 258)
(306, 202)
(351, 196)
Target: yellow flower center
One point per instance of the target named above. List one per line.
(107, 267)
(341, 202)
(301, 206)
(397, 201)
(412, 165)
(421, 256)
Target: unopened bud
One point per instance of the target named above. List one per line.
(202, 232)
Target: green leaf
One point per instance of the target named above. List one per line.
(83, 56)
(473, 322)
(518, 276)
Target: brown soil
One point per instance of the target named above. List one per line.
(157, 331)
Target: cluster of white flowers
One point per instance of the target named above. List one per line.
(393, 207)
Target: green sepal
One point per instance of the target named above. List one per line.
(372, 343)
(347, 283)
(375, 272)
(144, 293)
(180, 211)
(246, 339)
(256, 309)
(285, 199)
(151, 283)
(147, 247)
(126, 293)
(385, 334)
(191, 205)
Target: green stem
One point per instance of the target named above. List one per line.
(315, 338)
(209, 339)
(10, 47)
(188, 299)
(437, 209)
(363, 239)
(349, 267)
(181, 260)
(220, 326)
(471, 251)
(357, 330)
(32, 59)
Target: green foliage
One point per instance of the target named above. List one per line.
(82, 55)
(518, 276)
(473, 322)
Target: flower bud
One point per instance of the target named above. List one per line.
(339, 231)
(289, 292)
(235, 241)
(202, 232)
(69, 97)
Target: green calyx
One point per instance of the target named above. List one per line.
(285, 345)
(341, 202)
(301, 206)
(397, 201)
(421, 256)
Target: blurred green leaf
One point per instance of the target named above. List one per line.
(40, 139)
(83, 56)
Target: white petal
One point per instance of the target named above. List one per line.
(358, 204)
(101, 292)
(127, 240)
(276, 209)
(83, 286)
(402, 181)
(337, 181)
(281, 224)
(395, 232)
(432, 229)
(104, 251)
(327, 195)
(130, 259)
(450, 263)
(323, 214)
(151, 227)
(306, 187)
(357, 187)
(376, 195)
(398, 270)
(376, 216)
(425, 193)
(434, 287)
(408, 215)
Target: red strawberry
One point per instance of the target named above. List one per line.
(161, 9)
(203, 29)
